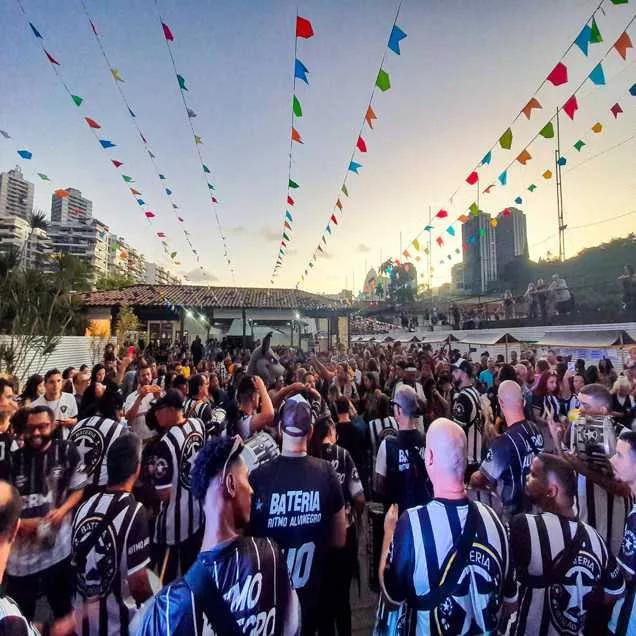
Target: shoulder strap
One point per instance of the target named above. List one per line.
(458, 559)
(208, 596)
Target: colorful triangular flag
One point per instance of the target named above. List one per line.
(35, 31)
(360, 145)
(487, 158)
(616, 110)
(528, 108)
(622, 44)
(354, 166)
(370, 116)
(296, 107)
(394, 39)
(547, 131)
(292, 184)
(579, 144)
(597, 76)
(595, 35)
(77, 99)
(505, 141)
(339, 205)
(290, 201)
(547, 174)
(503, 177)
(300, 71)
(167, 33)
(205, 168)
(127, 179)
(181, 81)
(571, 106)
(558, 75)
(116, 76)
(597, 127)
(334, 219)
(106, 143)
(561, 161)
(532, 187)
(198, 140)
(523, 157)
(43, 176)
(451, 230)
(303, 28)
(583, 39)
(51, 58)
(117, 163)
(441, 214)
(383, 81)
(295, 135)
(136, 192)
(92, 123)
(472, 178)
(25, 154)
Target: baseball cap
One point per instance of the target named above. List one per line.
(406, 398)
(172, 398)
(295, 416)
(463, 365)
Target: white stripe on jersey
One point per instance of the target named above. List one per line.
(420, 582)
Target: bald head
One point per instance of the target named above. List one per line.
(445, 453)
(10, 509)
(511, 401)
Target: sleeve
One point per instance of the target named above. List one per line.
(14, 626)
(72, 406)
(138, 542)
(334, 492)
(163, 468)
(510, 592)
(613, 581)
(497, 459)
(627, 553)
(206, 413)
(353, 485)
(258, 517)
(77, 471)
(398, 574)
(380, 460)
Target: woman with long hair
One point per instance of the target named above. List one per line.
(94, 390)
(33, 389)
(545, 399)
(606, 372)
(343, 564)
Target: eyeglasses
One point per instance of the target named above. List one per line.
(237, 447)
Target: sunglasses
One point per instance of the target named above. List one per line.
(237, 447)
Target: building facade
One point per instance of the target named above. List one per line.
(480, 259)
(157, 275)
(16, 194)
(34, 248)
(87, 240)
(73, 207)
(511, 238)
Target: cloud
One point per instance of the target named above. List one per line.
(362, 248)
(197, 276)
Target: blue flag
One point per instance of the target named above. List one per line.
(300, 71)
(353, 166)
(486, 160)
(503, 177)
(597, 76)
(632, 90)
(35, 31)
(288, 216)
(141, 202)
(106, 143)
(518, 200)
(394, 39)
(25, 154)
(168, 191)
(583, 39)
(562, 161)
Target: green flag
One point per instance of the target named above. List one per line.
(505, 141)
(532, 187)
(383, 82)
(344, 190)
(298, 111)
(181, 81)
(285, 236)
(43, 176)
(474, 209)
(579, 144)
(77, 99)
(595, 35)
(205, 168)
(292, 184)
(482, 231)
(126, 178)
(547, 131)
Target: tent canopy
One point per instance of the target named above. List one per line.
(432, 339)
(592, 339)
(486, 339)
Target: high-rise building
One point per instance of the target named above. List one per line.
(16, 194)
(511, 238)
(457, 277)
(74, 207)
(480, 259)
(33, 247)
(136, 265)
(157, 275)
(87, 240)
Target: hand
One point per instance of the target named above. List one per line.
(99, 389)
(55, 517)
(155, 389)
(391, 518)
(125, 362)
(297, 387)
(29, 527)
(258, 383)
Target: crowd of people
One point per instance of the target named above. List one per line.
(229, 492)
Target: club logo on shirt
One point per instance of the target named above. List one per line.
(191, 447)
(473, 606)
(90, 445)
(63, 408)
(629, 543)
(96, 571)
(20, 481)
(567, 599)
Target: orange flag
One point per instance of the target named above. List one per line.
(622, 44)
(597, 127)
(61, 194)
(462, 218)
(339, 205)
(523, 157)
(527, 109)
(370, 116)
(296, 136)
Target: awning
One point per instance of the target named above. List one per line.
(490, 338)
(592, 339)
(432, 339)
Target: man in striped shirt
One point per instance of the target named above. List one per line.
(563, 565)
(168, 463)
(448, 562)
(111, 547)
(466, 410)
(238, 584)
(508, 460)
(197, 404)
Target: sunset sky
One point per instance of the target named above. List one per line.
(465, 71)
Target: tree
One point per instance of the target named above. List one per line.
(127, 322)
(37, 221)
(114, 280)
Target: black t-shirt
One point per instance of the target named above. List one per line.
(294, 501)
(353, 440)
(7, 444)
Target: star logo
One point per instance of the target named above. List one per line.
(191, 446)
(90, 445)
(259, 504)
(629, 543)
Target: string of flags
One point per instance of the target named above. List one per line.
(570, 108)
(383, 84)
(198, 142)
(304, 30)
(166, 188)
(106, 144)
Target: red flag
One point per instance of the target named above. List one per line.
(92, 123)
(290, 201)
(161, 234)
(117, 163)
(559, 75)
(370, 116)
(506, 212)
(472, 178)
(296, 136)
(487, 190)
(362, 147)
(149, 214)
(135, 191)
(442, 214)
(303, 28)
(571, 106)
(167, 32)
(440, 241)
(51, 58)
(622, 44)
(334, 219)
(214, 200)
(616, 109)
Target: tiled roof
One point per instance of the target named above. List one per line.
(220, 297)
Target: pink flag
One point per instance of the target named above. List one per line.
(571, 106)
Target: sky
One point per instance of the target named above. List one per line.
(465, 71)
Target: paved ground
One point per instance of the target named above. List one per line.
(363, 601)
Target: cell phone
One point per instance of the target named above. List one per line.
(571, 366)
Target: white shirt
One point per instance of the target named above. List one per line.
(138, 423)
(63, 409)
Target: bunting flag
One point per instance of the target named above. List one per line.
(167, 33)
(290, 201)
(597, 76)
(117, 163)
(523, 157)
(344, 190)
(487, 158)
(303, 28)
(547, 174)
(61, 194)
(334, 220)
(561, 161)
(559, 75)
(181, 81)
(383, 82)
(632, 90)
(5, 134)
(571, 106)
(406, 254)
(462, 218)
(506, 212)
(440, 241)
(595, 35)
(298, 111)
(394, 39)
(77, 99)
(35, 31)
(43, 176)
(579, 144)
(116, 76)
(547, 131)
(300, 71)
(416, 244)
(205, 168)
(505, 141)
(292, 184)
(133, 191)
(106, 143)
(472, 178)
(197, 140)
(25, 154)
(530, 106)
(354, 166)
(488, 189)
(339, 205)
(369, 117)
(622, 44)
(191, 113)
(361, 146)
(141, 202)
(616, 110)
(295, 135)
(51, 58)
(503, 178)
(442, 214)
(451, 230)
(532, 187)
(583, 39)
(161, 234)
(518, 200)
(597, 127)
(92, 123)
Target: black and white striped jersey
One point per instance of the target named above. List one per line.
(624, 614)
(92, 438)
(421, 553)
(168, 463)
(251, 576)
(200, 409)
(12, 622)
(103, 563)
(508, 460)
(466, 411)
(551, 607)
